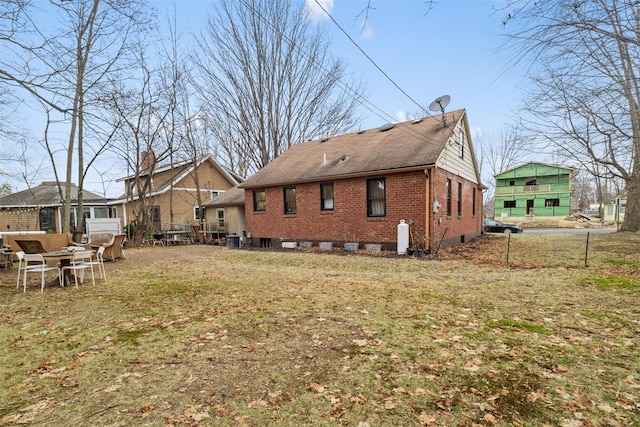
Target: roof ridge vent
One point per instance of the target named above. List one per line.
(385, 127)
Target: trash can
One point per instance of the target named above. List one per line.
(233, 241)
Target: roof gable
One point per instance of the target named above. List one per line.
(406, 145)
(534, 169)
(169, 179)
(458, 156)
(47, 194)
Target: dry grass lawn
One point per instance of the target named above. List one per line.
(204, 335)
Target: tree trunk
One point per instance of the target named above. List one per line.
(632, 210)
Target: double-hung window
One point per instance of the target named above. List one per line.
(473, 203)
(376, 197)
(199, 213)
(259, 200)
(448, 197)
(289, 200)
(326, 196)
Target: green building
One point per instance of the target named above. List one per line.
(533, 190)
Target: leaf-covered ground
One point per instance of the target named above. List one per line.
(204, 335)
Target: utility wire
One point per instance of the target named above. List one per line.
(378, 67)
(369, 58)
(380, 113)
(345, 87)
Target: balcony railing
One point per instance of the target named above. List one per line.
(530, 189)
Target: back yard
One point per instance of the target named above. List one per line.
(204, 335)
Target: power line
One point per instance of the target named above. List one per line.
(383, 115)
(370, 59)
(345, 87)
(380, 69)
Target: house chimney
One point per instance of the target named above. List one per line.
(148, 159)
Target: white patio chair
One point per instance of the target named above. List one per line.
(21, 266)
(80, 262)
(34, 263)
(99, 261)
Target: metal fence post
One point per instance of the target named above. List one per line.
(586, 251)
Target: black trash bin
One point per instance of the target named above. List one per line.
(233, 241)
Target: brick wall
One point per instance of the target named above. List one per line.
(406, 199)
(459, 227)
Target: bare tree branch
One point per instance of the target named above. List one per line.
(585, 59)
(268, 76)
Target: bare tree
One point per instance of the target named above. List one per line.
(234, 152)
(583, 192)
(12, 14)
(183, 130)
(62, 69)
(585, 61)
(267, 76)
(145, 137)
(499, 153)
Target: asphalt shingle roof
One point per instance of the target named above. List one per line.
(406, 145)
(46, 193)
(232, 197)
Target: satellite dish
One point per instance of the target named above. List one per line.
(440, 103)
(385, 127)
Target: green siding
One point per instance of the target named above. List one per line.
(539, 202)
(538, 170)
(551, 183)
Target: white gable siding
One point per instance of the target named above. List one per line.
(450, 159)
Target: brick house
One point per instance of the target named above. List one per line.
(173, 195)
(359, 186)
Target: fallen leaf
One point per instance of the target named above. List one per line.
(200, 416)
(570, 423)
(606, 408)
(257, 403)
(146, 409)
